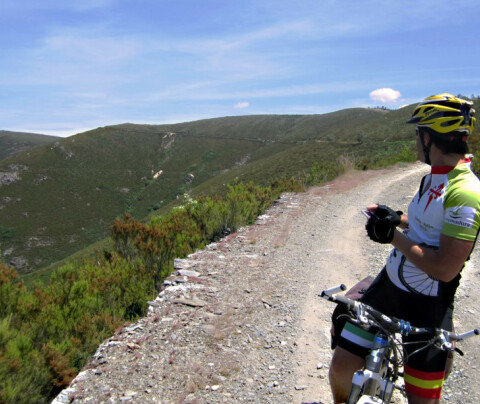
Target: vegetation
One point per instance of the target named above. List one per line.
(67, 193)
(48, 333)
(15, 142)
(49, 330)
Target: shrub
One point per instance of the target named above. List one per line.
(47, 334)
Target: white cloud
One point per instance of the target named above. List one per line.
(241, 105)
(385, 95)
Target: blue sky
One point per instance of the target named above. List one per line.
(66, 67)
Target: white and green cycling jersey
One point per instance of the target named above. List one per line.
(447, 202)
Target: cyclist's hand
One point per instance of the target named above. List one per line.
(384, 212)
(381, 225)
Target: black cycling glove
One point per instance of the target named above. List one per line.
(381, 224)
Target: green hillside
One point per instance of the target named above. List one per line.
(59, 198)
(14, 142)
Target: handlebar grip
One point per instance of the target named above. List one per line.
(345, 300)
(335, 289)
(468, 334)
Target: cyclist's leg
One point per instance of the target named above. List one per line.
(424, 386)
(353, 346)
(344, 365)
(450, 358)
(424, 373)
(412, 399)
(449, 365)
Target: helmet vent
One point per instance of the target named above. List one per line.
(451, 122)
(444, 113)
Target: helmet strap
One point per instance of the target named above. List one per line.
(425, 147)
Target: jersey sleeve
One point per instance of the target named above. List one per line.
(462, 210)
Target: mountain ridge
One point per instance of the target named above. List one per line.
(63, 196)
(12, 142)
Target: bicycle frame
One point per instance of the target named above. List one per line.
(372, 380)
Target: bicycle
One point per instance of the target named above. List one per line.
(376, 382)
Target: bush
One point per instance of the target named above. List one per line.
(187, 227)
(48, 334)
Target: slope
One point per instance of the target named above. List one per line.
(249, 326)
(59, 198)
(15, 142)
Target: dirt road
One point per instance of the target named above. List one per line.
(241, 320)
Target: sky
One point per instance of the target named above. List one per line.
(71, 66)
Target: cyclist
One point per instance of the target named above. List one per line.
(422, 273)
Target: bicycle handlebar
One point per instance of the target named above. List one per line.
(460, 337)
(364, 311)
(365, 315)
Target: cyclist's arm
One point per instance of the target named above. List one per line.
(444, 263)
(404, 222)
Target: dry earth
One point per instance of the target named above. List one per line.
(241, 320)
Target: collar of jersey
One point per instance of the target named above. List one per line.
(446, 169)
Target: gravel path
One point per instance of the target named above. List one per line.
(241, 320)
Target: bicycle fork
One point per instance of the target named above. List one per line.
(372, 380)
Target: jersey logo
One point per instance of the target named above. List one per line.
(463, 216)
(434, 193)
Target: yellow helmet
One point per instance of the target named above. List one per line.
(445, 113)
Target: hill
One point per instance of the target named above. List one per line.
(59, 198)
(14, 142)
(242, 320)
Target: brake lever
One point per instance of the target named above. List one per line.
(361, 314)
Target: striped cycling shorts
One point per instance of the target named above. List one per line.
(424, 371)
(423, 383)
